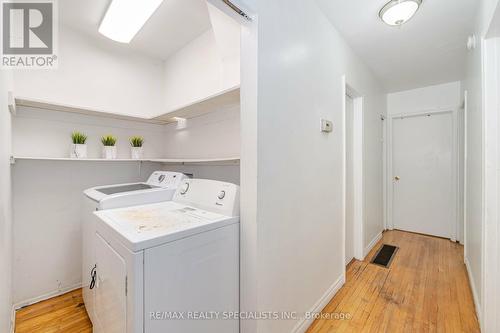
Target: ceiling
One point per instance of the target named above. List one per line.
(173, 25)
(428, 49)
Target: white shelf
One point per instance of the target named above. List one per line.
(224, 160)
(210, 104)
(229, 97)
(54, 106)
(218, 161)
(35, 158)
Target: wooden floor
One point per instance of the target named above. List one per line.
(65, 313)
(425, 289)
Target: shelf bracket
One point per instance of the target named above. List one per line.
(12, 160)
(12, 103)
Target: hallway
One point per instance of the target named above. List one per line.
(425, 289)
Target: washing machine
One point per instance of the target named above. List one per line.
(170, 266)
(160, 186)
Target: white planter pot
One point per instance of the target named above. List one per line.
(78, 151)
(136, 153)
(109, 152)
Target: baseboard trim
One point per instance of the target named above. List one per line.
(13, 320)
(304, 323)
(372, 244)
(46, 296)
(474, 292)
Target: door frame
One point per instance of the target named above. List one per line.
(455, 174)
(358, 167)
(464, 172)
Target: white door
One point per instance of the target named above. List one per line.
(349, 218)
(423, 174)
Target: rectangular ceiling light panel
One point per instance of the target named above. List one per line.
(124, 18)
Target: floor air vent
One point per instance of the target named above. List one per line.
(385, 255)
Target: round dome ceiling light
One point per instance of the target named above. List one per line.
(398, 12)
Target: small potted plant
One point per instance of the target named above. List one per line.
(109, 149)
(136, 147)
(78, 148)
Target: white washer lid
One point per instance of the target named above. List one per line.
(158, 181)
(151, 225)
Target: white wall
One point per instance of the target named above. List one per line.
(95, 74)
(481, 246)
(487, 10)
(473, 84)
(225, 172)
(198, 71)
(446, 96)
(374, 106)
(42, 133)
(227, 36)
(47, 203)
(5, 205)
(491, 230)
(207, 66)
(292, 249)
(249, 247)
(209, 136)
(489, 28)
(214, 135)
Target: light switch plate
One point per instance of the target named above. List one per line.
(326, 126)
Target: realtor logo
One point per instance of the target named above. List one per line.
(29, 34)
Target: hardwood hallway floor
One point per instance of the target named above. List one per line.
(62, 314)
(425, 289)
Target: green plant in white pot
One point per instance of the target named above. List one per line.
(136, 151)
(109, 148)
(79, 147)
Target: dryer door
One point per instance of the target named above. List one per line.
(110, 297)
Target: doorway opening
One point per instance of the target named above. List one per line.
(353, 175)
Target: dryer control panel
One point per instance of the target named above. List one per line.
(166, 179)
(211, 195)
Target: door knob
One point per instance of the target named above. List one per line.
(397, 178)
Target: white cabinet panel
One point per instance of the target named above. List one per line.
(198, 274)
(110, 296)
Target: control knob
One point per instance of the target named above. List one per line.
(184, 188)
